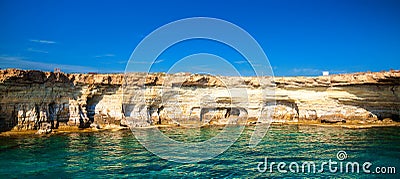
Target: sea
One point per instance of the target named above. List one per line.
(286, 151)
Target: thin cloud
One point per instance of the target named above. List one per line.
(109, 62)
(144, 62)
(240, 62)
(21, 62)
(307, 71)
(105, 55)
(158, 61)
(38, 51)
(42, 41)
(122, 61)
(139, 62)
(313, 71)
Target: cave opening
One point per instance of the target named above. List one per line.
(91, 104)
(158, 113)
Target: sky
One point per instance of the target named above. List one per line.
(299, 37)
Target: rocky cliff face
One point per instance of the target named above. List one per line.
(36, 100)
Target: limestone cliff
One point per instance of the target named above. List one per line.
(35, 99)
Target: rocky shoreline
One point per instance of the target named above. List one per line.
(63, 130)
(48, 102)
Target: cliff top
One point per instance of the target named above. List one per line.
(8, 76)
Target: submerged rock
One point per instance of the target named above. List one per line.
(45, 129)
(333, 120)
(94, 126)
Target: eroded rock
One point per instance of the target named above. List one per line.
(31, 98)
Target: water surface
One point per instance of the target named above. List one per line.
(118, 154)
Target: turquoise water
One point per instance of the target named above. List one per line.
(118, 154)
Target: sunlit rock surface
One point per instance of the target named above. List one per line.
(36, 100)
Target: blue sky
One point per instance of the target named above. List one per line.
(300, 37)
